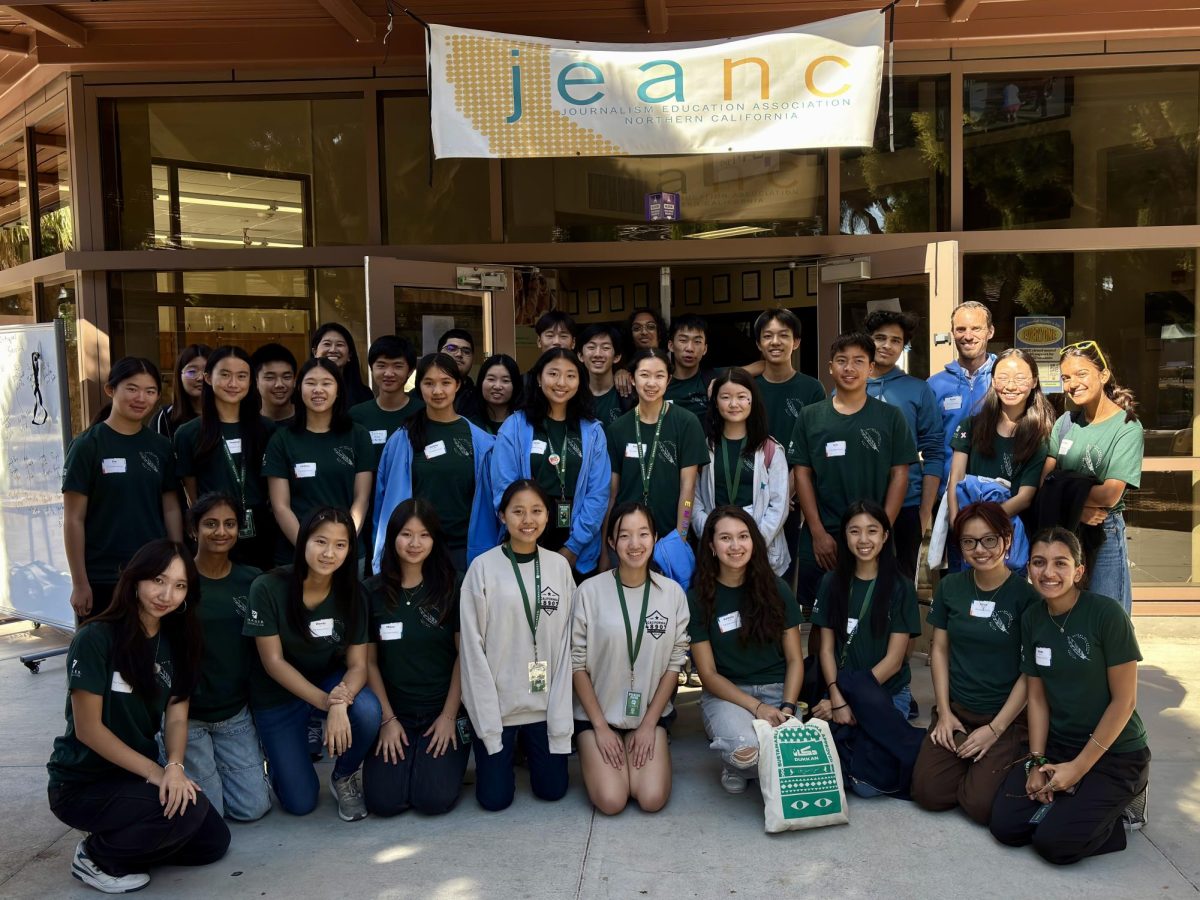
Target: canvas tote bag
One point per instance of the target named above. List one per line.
(800, 776)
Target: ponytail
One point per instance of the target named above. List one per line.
(1123, 397)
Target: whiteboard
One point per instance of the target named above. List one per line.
(35, 582)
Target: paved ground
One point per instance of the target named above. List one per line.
(704, 844)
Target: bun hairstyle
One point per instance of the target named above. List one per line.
(1122, 396)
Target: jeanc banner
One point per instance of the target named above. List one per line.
(502, 95)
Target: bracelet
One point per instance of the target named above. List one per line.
(387, 721)
(168, 765)
(788, 704)
(1092, 738)
(843, 706)
(756, 706)
(1034, 761)
(993, 730)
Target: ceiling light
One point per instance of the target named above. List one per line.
(734, 231)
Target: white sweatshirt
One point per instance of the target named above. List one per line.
(600, 646)
(497, 648)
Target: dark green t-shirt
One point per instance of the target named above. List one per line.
(213, 472)
(416, 654)
(866, 647)
(320, 466)
(485, 422)
(1109, 449)
(1002, 464)
(1072, 654)
(690, 393)
(741, 663)
(984, 632)
(134, 719)
(851, 457)
(607, 407)
(444, 474)
(783, 401)
(729, 455)
(681, 444)
(124, 477)
(381, 424)
(550, 440)
(315, 656)
(224, 687)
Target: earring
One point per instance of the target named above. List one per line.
(184, 607)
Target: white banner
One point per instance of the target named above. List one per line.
(502, 95)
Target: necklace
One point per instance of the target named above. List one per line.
(410, 594)
(994, 592)
(1062, 629)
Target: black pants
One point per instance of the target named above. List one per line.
(128, 832)
(430, 786)
(1086, 823)
(907, 540)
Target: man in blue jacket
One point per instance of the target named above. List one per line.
(892, 332)
(962, 385)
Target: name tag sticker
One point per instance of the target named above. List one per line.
(391, 631)
(835, 448)
(379, 436)
(729, 622)
(113, 465)
(120, 685)
(234, 445)
(983, 609)
(952, 403)
(537, 448)
(305, 470)
(321, 627)
(1065, 446)
(851, 626)
(632, 451)
(1041, 655)
(436, 449)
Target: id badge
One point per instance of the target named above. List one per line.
(247, 530)
(562, 513)
(464, 730)
(537, 678)
(633, 703)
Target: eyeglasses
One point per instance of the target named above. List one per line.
(1021, 381)
(989, 542)
(456, 348)
(638, 329)
(1085, 346)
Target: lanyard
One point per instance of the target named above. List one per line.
(532, 616)
(239, 475)
(633, 647)
(862, 611)
(732, 483)
(647, 471)
(558, 458)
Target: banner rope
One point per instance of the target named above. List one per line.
(890, 11)
(428, 76)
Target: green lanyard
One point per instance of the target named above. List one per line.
(239, 475)
(558, 459)
(534, 615)
(732, 482)
(647, 471)
(633, 647)
(862, 611)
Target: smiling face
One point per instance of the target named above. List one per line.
(689, 347)
(318, 391)
(217, 530)
(734, 402)
(559, 381)
(134, 397)
(644, 331)
(889, 344)
(496, 386)
(1082, 379)
(164, 593)
(390, 374)
(599, 355)
(1053, 569)
(334, 348)
(438, 389)
(850, 368)
(229, 379)
(731, 543)
(414, 542)
(865, 536)
(276, 382)
(191, 377)
(326, 548)
(635, 540)
(983, 558)
(557, 335)
(971, 331)
(650, 379)
(1012, 380)
(777, 343)
(525, 518)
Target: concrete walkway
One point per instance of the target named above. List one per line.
(704, 844)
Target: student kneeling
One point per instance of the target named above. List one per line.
(622, 694)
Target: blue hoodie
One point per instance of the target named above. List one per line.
(510, 462)
(958, 396)
(914, 398)
(393, 485)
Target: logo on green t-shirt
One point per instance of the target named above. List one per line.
(871, 438)
(656, 624)
(462, 446)
(1093, 459)
(1078, 647)
(163, 671)
(344, 455)
(241, 604)
(149, 460)
(1001, 621)
(668, 452)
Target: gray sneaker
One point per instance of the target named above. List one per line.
(1134, 816)
(349, 796)
(733, 781)
(93, 876)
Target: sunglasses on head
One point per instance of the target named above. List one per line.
(1084, 346)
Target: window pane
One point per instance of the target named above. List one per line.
(14, 204)
(1161, 520)
(906, 190)
(55, 225)
(1080, 151)
(456, 208)
(234, 173)
(772, 194)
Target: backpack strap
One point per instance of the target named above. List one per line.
(769, 451)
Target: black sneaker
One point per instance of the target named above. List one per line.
(1134, 816)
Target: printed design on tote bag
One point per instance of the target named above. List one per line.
(1079, 648)
(871, 438)
(550, 600)
(345, 455)
(149, 461)
(656, 624)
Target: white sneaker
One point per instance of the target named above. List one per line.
(90, 874)
(733, 781)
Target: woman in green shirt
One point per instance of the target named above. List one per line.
(1088, 761)
(977, 680)
(745, 630)
(413, 668)
(501, 391)
(125, 684)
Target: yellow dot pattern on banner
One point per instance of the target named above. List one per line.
(480, 72)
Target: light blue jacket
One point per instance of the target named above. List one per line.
(510, 462)
(914, 398)
(393, 485)
(958, 395)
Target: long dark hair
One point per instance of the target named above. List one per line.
(417, 424)
(352, 371)
(437, 571)
(125, 368)
(344, 587)
(181, 403)
(510, 366)
(1122, 396)
(133, 651)
(756, 424)
(537, 407)
(761, 606)
(843, 576)
(250, 425)
(340, 420)
(1035, 423)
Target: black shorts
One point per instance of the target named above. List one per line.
(582, 725)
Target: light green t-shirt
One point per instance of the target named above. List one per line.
(1109, 449)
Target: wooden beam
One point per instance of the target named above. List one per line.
(14, 43)
(656, 16)
(352, 18)
(960, 10)
(49, 22)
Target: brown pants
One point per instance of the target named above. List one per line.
(942, 780)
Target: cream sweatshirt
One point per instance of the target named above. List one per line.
(496, 648)
(600, 647)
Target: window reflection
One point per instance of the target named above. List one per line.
(56, 227)
(14, 204)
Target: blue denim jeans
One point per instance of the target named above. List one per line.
(1110, 570)
(495, 779)
(226, 761)
(283, 731)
